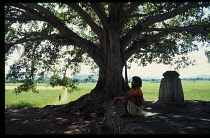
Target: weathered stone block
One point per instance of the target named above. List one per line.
(171, 88)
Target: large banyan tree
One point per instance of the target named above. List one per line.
(104, 35)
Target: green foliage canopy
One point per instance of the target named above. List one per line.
(61, 36)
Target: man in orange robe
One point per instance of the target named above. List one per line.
(132, 100)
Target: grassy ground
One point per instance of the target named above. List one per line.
(85, 88)
(200, 90)
(46, 96)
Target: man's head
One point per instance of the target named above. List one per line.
(137, 82)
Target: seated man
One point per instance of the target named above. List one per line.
(132, 100)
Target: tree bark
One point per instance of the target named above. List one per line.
(101, 83)
(111, 81)
(126, 73)
(114, 66)
(107, 81)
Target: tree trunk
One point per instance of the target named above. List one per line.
(111, 81)
(126, 73)
(110, 75)
(101, 83)
(115, 63)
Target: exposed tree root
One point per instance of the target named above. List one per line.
(86, 105)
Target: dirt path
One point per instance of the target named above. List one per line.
(63, 100)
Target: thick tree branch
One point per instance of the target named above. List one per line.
(50, 18)
(120, 7)
(142, 15)
(113, 17)
(101, 9)
(161, 17)
(191, 29)
(137, 30)
(43, 14)
(131, 34)
(142, 43)
(127, 15)
(164, 31)
(21, 18)
(100, 13)
(87, 18)
(90, 48)
(39, 36)
(55, 22)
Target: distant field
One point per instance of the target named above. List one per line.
(46, 95)
(200, 90)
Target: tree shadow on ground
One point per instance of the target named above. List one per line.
(193, 117)
(47, 120)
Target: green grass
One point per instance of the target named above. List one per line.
(46, 96)
(200, 90)
(150, 90)
(85, 88)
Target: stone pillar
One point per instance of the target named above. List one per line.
(171, 89)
